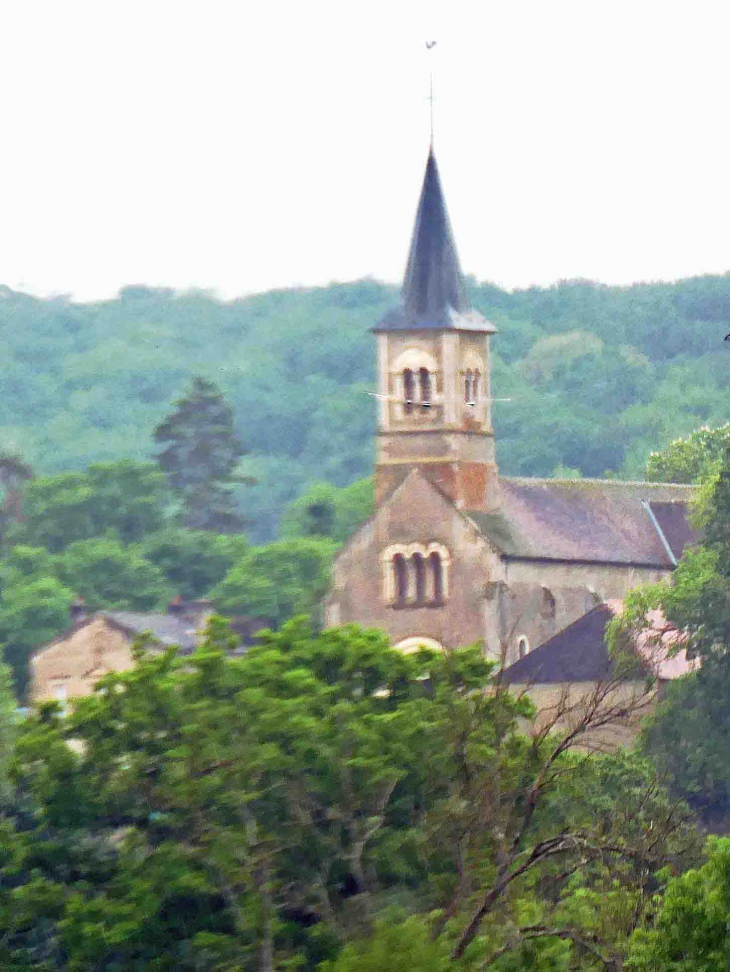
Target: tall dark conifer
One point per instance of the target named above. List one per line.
(200, 452)
(14, 474)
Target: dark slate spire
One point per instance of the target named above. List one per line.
(433, 280)
(434, 296)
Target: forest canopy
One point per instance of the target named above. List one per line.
(598, 376)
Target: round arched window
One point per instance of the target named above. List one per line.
(523, 646)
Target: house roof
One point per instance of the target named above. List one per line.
(589, 520)
(434, 295)
(165, 628)
(578, 653)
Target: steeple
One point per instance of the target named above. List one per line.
(433, 283)
(434, 295)
(434, 391)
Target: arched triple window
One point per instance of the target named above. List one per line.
(415, 575)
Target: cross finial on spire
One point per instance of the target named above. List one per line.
(429, 47)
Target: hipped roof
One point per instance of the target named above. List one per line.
(434, 294)
(165, 628)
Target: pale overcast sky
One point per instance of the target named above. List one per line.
(242, 145)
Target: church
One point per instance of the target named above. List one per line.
(456, 553)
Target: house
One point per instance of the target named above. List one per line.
(573, 672)
(101, 642)
(456, 553)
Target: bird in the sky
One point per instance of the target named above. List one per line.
(430, 44)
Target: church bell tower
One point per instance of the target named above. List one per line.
(434, 372)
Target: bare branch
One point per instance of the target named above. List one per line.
(541, 931)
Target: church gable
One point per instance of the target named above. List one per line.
(417, 568)
(417, 509)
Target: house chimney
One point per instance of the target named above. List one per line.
(196, 612)
(176, 607)
(77, 610)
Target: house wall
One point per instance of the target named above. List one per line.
(77, 662)
(576, 696)
(576, 589)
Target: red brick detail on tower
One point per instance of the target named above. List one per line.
(469, 485)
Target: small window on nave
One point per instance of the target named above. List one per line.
(547, 606)
(523, 646)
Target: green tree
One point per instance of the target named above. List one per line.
(193, 561)
(23, 563)
(277, 581)
(689, 734)
(199, 455)
(691, 930)
(326, 511)
(108, 575)
(36, 589)
(688, 737)
(31, 614)
(402, 942)
(355, 503)
(698, 602)
(252, 787)
(14, 474)
(312, 515)
(517, 813)
(128, 497)
(689, 459)
(8, 728)
(269, 806)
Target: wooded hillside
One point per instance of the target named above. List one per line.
(599, 376)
